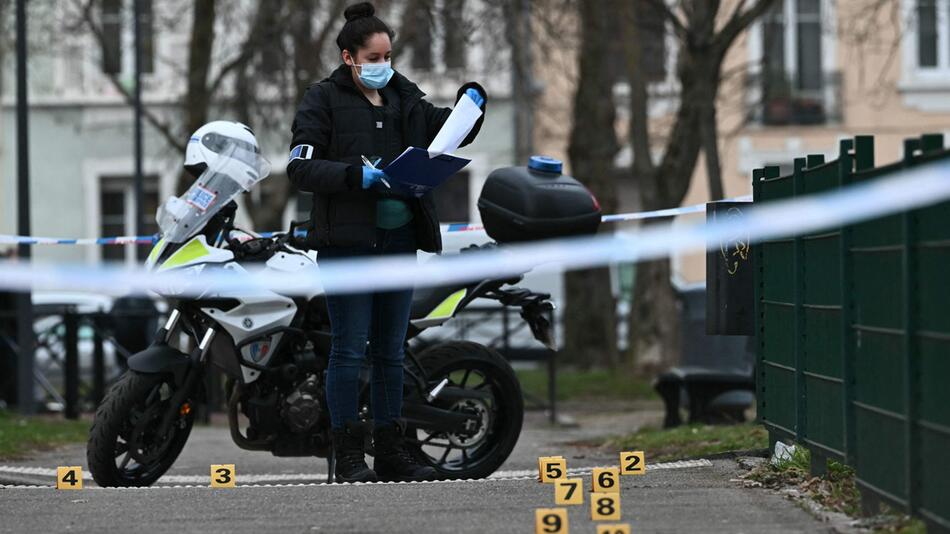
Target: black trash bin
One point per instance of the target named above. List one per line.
(714, 380)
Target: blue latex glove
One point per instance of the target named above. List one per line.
(476, 96)
(372, 177)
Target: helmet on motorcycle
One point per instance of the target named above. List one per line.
(207, 141)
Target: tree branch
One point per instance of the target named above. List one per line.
(738, 9)
(639, 127)
(679, 27)
(172, 138)
(739, 22)
(249, 47)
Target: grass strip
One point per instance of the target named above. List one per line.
(20, 436)
(692, 441)
(574, 384)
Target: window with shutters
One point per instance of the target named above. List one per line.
(925, 77)
(116, 36)
(112, 36)
(416, 38)
(654, 49)
(454, 34)
(117, 215)
(794, 83)
(931, 35)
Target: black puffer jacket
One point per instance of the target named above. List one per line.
(337, 121)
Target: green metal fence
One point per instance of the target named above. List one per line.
(853, 334)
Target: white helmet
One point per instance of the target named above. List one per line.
(207, 141)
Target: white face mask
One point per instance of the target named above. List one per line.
(375, 75)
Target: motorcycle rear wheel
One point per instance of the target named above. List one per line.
(471, 365)
(123, 448)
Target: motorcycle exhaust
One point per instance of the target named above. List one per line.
(239, 439)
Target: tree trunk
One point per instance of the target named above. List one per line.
(590, 323)
(654, 321)
(198, 97)
(710, 133)
(523, 93)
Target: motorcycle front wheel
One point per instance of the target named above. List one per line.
(499, 414)
(125, 448)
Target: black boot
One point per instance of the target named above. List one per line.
(393, 462)
(350, 460)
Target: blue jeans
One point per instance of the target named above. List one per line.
(381, 317)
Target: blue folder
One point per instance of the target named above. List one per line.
(415, 173)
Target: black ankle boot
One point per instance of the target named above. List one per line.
(350, 460)
(393, 462)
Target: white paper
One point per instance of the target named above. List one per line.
(456, 127)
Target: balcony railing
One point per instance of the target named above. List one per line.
(778, 100)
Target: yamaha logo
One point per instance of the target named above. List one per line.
(248, 323)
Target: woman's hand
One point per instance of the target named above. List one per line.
(476, 96)
(372, 177)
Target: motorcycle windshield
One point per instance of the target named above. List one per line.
(238, 168)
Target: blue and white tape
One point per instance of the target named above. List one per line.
(446, 228)
(917, 188)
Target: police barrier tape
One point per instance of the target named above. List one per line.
(916, 188)
(446, 228)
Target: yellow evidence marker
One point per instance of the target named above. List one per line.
(569, 491)
(632, 463)
(222, 476)
(69, 478)
(551, 468)
(605, 506)
(620, 528)
(550, 521)
(605, 480)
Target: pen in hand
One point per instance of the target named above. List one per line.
(371, 166)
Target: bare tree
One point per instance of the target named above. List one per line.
(310, 56)
(702, 48)
(213, 82)
(590, 325)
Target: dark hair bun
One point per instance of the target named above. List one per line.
(358, 11)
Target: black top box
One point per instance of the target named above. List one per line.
(536, 202)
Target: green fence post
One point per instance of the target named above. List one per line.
(845, 166)
(931, 143)
(935, 520)
(863, 152)
(798, 342)
(766, 173)
(818, 461)
(757, 175)
(909, 344)
(863, 161)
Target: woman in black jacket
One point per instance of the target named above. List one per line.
(366, 109)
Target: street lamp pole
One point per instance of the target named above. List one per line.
(25, 399)
(137, 106)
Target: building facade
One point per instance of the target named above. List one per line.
(81, 123)
(802, 77)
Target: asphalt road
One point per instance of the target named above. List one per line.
(690, 497)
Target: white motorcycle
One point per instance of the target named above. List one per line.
(463, 404)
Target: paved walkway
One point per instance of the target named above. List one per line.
(684, 497)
